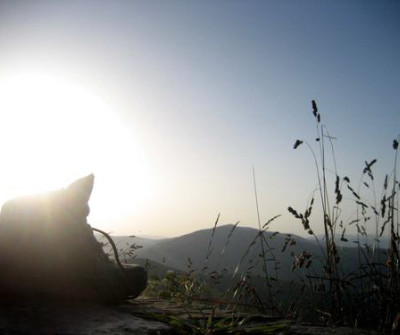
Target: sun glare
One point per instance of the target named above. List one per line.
(52, 131)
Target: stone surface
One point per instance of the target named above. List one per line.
(317, 330)
(32, 318)
(141, 316)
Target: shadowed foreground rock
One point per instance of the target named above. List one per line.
(48, 251)
(141, 316)
(66, 318)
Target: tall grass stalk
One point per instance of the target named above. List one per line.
(331, 271)
(351, 294)
(264, 247)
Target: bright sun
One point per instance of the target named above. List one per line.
(52, 131)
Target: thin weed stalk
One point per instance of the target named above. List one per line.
(263, 247)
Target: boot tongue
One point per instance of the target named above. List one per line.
(78, 195)
(81, 189)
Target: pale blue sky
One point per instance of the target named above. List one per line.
(207, 89)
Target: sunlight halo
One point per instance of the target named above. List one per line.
(53, 130)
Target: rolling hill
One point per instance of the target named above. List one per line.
(230, 248)
(225, 250)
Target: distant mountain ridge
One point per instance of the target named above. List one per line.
(229, 248)
(225, 249)
(353, 240)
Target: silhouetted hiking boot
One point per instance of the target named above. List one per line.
(48, 251)
(137, 279)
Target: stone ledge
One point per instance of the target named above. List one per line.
(141, 316)
(32, 318)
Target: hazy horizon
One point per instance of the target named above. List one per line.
(171, 103)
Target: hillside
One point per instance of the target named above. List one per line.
(126, 243)
(227, 249)
(226, 252)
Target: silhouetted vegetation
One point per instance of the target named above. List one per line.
(367, 297)
(331, 283)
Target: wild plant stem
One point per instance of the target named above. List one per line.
(265, 268)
